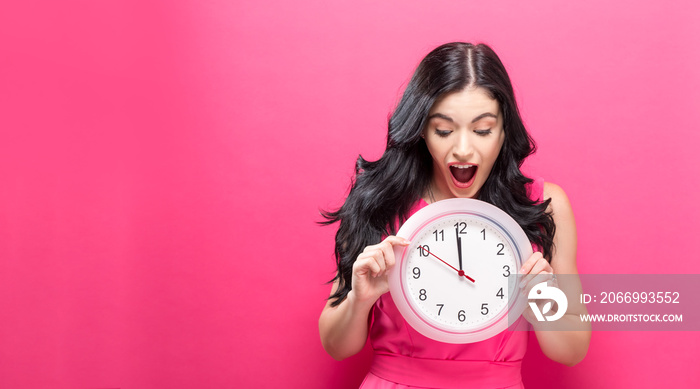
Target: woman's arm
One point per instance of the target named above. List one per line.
(564, 346)
(344, 328)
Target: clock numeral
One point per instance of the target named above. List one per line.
(416, 273)
(485, 308)
(461, 316)
(500, 252)
(460, 227)
(483, 232)
(441, 306)
(423, 295)
(423, 250)
(441, 233)
(507, 269)
(500, 293)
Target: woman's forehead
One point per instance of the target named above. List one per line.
(467, 105)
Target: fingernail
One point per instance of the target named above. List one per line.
(406, 241)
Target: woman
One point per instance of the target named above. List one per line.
(456, 132)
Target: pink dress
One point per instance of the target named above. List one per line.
(403, 358)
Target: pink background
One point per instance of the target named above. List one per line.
(162, 165)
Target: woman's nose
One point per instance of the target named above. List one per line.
(463, 147)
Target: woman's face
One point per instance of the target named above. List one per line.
(464, 135)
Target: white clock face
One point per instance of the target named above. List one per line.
(453, 282)
(447, 297)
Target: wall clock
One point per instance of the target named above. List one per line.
(453, 282)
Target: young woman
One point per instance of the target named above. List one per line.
(456, 132)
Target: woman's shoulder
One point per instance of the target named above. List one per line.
(560, 203)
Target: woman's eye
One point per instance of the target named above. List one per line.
(442, 133)
(483, 132)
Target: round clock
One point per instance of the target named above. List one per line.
(452, 283)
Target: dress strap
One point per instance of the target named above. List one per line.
(535, 190)
(447, 374)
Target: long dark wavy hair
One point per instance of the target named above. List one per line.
(385, 190)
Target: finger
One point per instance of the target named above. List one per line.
(388, 248)
(366, 264)
(378, 256)
(393, 240)
(384, 252)
(539, 267)
(397, 240)
(527, 266)
(534, 281)
(388, 255)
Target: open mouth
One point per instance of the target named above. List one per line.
(463, 174)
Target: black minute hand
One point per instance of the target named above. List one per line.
(459, 250)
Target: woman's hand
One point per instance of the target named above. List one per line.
(344, 328)
(369, 279)
(535, 270)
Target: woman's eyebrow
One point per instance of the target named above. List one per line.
(484, 115)
(449, 119)
(441, 116)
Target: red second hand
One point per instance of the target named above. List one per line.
(461, 273)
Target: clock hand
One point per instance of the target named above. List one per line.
(459, 251)
(460, 272)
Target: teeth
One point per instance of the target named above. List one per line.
(462, 166)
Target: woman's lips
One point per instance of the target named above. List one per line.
(463, 174)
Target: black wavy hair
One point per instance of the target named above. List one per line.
(386, 189)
